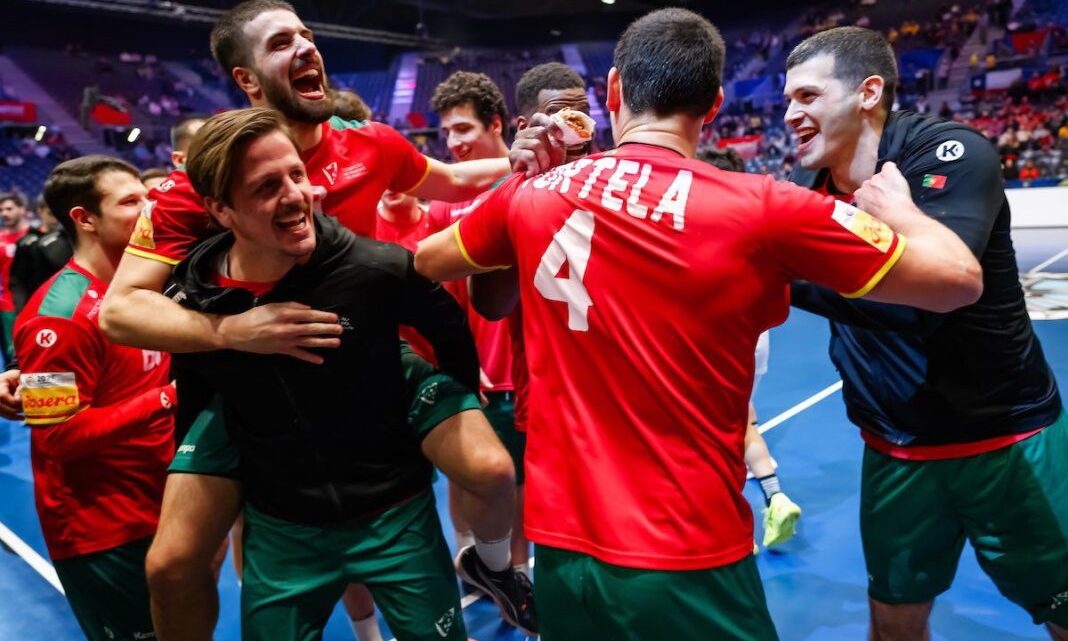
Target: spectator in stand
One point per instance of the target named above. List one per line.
(1029, 171)
(1009, 170)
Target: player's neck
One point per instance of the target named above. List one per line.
(859, 165)
(97, 260)
(402, 216)
(679, 132)
(306, 134)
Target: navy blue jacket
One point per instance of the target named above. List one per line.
(916, 378)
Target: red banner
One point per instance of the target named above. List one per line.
(746, 146)
(1022, 42)
(104, 114)
(15, 111)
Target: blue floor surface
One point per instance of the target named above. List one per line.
(815, 586)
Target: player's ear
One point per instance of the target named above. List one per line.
(520, 123)
(83, 219)
(615, 91)
(871, 92)
(497, 126)
(711, 115)
(247, 82)
(220, 211)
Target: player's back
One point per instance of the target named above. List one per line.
(646, 285)
(645, 279)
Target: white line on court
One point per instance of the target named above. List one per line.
(801, 407)
(29, 555)
(1047, 263)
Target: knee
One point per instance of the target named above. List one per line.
(494, 470)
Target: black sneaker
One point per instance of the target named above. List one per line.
(510, 590)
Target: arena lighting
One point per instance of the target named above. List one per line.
(134, 133)
(609, 1)
(39, 136)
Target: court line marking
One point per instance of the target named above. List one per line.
(1047, 263)
(800, 407)
(30, 556)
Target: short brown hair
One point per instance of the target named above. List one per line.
(475, 89)
(154, 172)
(670, 61)
(220, 145)
(229, 46)
(73, 184)
(348, 105)
(857, 52)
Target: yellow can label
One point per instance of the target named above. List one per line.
(49, 397)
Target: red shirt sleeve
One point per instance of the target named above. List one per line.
(409, 167)
(171, 224)
(61, 361)
(814, 237)
(483, 234)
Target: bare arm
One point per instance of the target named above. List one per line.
(536, 149)
(936, 271)
(136, 313)
(439, 257)
(462, 180)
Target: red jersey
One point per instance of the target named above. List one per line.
(102, 413)
(492, 338)
(407, 236)
(354, 163)
(646, 279)
(8, 240)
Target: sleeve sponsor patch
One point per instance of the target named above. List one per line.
(142, 233)
(49, 397)
(863, 225)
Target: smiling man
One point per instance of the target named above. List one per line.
(101, 413)
(336, 481)
(271, 55)
(960, 414)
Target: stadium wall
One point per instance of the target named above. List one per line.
(1039, 206)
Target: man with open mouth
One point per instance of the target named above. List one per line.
(960, 413)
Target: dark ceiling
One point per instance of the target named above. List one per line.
(496, 22)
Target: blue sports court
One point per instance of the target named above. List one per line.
(816, 586)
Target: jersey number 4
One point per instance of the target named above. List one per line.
(571, 246)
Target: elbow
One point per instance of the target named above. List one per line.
(963, 289)
(425, 265)
(108, 319)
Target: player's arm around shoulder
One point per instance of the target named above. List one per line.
(936, 270)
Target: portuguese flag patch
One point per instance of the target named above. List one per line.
(934, 181)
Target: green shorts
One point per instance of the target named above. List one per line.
(1011, 504)
(108, 593)
(500, 412)
(207, 448)
(580, 598)
(295, 574)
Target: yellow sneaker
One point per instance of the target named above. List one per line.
(780, 520)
